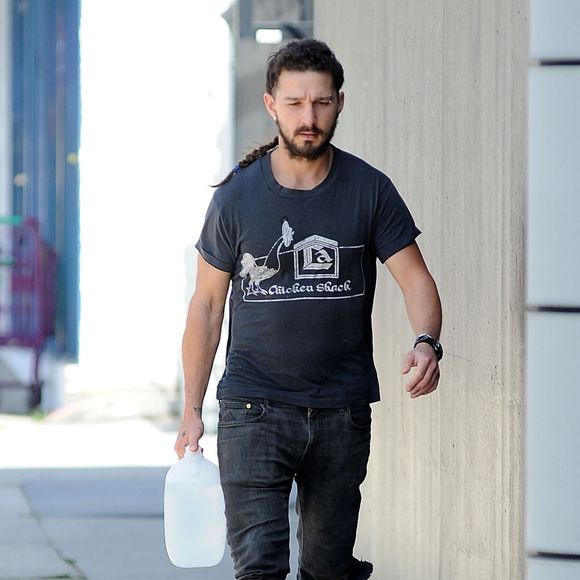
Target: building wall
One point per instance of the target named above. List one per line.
(553, 292)
(253, 126)
(5, 119)
(436, 97)
(45, 141)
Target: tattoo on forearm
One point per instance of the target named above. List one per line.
(197, 410)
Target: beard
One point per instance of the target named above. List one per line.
(308, 151)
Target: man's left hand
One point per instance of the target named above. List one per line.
(426, 377)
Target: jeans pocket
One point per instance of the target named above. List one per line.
(359, 416)
(234, 412)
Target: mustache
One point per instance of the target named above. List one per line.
(304, 129)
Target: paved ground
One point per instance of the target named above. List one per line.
(81, 491)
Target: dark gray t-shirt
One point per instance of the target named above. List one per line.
(303, 266)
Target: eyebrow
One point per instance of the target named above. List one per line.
(322, 98)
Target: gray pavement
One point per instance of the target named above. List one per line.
(81, 493)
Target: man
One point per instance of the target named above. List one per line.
(296, 229)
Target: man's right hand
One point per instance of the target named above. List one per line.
(190, 432)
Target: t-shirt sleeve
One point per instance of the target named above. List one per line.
(394, 224)
(217, 243)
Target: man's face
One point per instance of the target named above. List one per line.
(305, 107)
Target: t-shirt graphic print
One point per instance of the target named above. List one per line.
(315, 268)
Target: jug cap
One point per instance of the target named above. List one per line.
(197, 453)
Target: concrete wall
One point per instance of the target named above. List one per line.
(254, 127)
(436, 97)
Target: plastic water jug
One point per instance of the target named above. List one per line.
(195, 525)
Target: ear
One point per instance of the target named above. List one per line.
(270, 105)
(340, 101)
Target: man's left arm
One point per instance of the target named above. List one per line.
(424, 311)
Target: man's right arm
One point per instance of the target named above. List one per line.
(200, 341)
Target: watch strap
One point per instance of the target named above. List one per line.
(433, 342)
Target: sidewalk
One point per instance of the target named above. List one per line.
(81, 493)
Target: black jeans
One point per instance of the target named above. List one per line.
(262, 447)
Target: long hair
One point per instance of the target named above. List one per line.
(249, 158)
(297, 55)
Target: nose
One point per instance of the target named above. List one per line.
(308, 114)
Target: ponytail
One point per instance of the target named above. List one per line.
(248, 159)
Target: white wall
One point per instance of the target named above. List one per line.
(155, 132)
(553, 292)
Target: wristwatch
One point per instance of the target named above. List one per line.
(434, 342)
